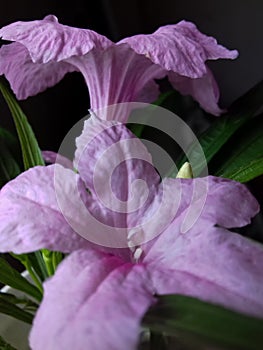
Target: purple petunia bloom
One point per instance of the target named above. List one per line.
(100, 293)
(45, 50)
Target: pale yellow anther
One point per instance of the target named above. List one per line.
(185, 172)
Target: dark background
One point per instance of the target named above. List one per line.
(235, 23)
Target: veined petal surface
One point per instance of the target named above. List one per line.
(180, 48)
(208, 261)
(204, 90)
(94, 301)
(27, 78)
(30, 217)
(47, 40)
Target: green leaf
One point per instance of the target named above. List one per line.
(157, 341)
(165, 98)
(10, 309)
(29, 145)
(196, 323)
(242, 158)
(30, 149)
(12, 278)
(25, 303)
(11, 143)
(9, 167)
(222, 129)
(34, 262)
(4, 345)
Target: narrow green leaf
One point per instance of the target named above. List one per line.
(157, 341)
(244, 173)
(41, 264)
(30, 149)
(222, 129)
(242, 158)
(11, 142)
(195, 322)
(9, 167)
(24, 303)
(12, 310)
(12, 278)
(34, 263)
(4, 345)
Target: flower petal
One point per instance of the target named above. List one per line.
(94, 301)
(204, 203)
(46, 50)
(53, 157)
(118, 171)
(116, 168)
(214, 265)
(27, 78)
(30, 218)
(36, 60)
(117, 74)
(181, 48)
(47, 40)
(204, 90)
(207, 261)
(149, 92)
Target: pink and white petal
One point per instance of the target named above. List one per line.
(204, 90)
(94, 301)
(207, 261)
(30, 218)
(53, 157)
(115, 75)
(212, 50)
(212, 264)
(229, 203)
(216, 200)
(149, 93)
(181, 48)
(115, 166)
(154, 218)
(203, 203)
(27, 78)
(47, 40)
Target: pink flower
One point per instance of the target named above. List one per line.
(45, 50)
(124, 254)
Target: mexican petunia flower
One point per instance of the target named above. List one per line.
(124, 253)
(45, 50)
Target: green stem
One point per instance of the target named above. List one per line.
(33, 276)
(57, 257)
(42, 264)
(48, 259)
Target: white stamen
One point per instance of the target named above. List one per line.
(137, 254)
